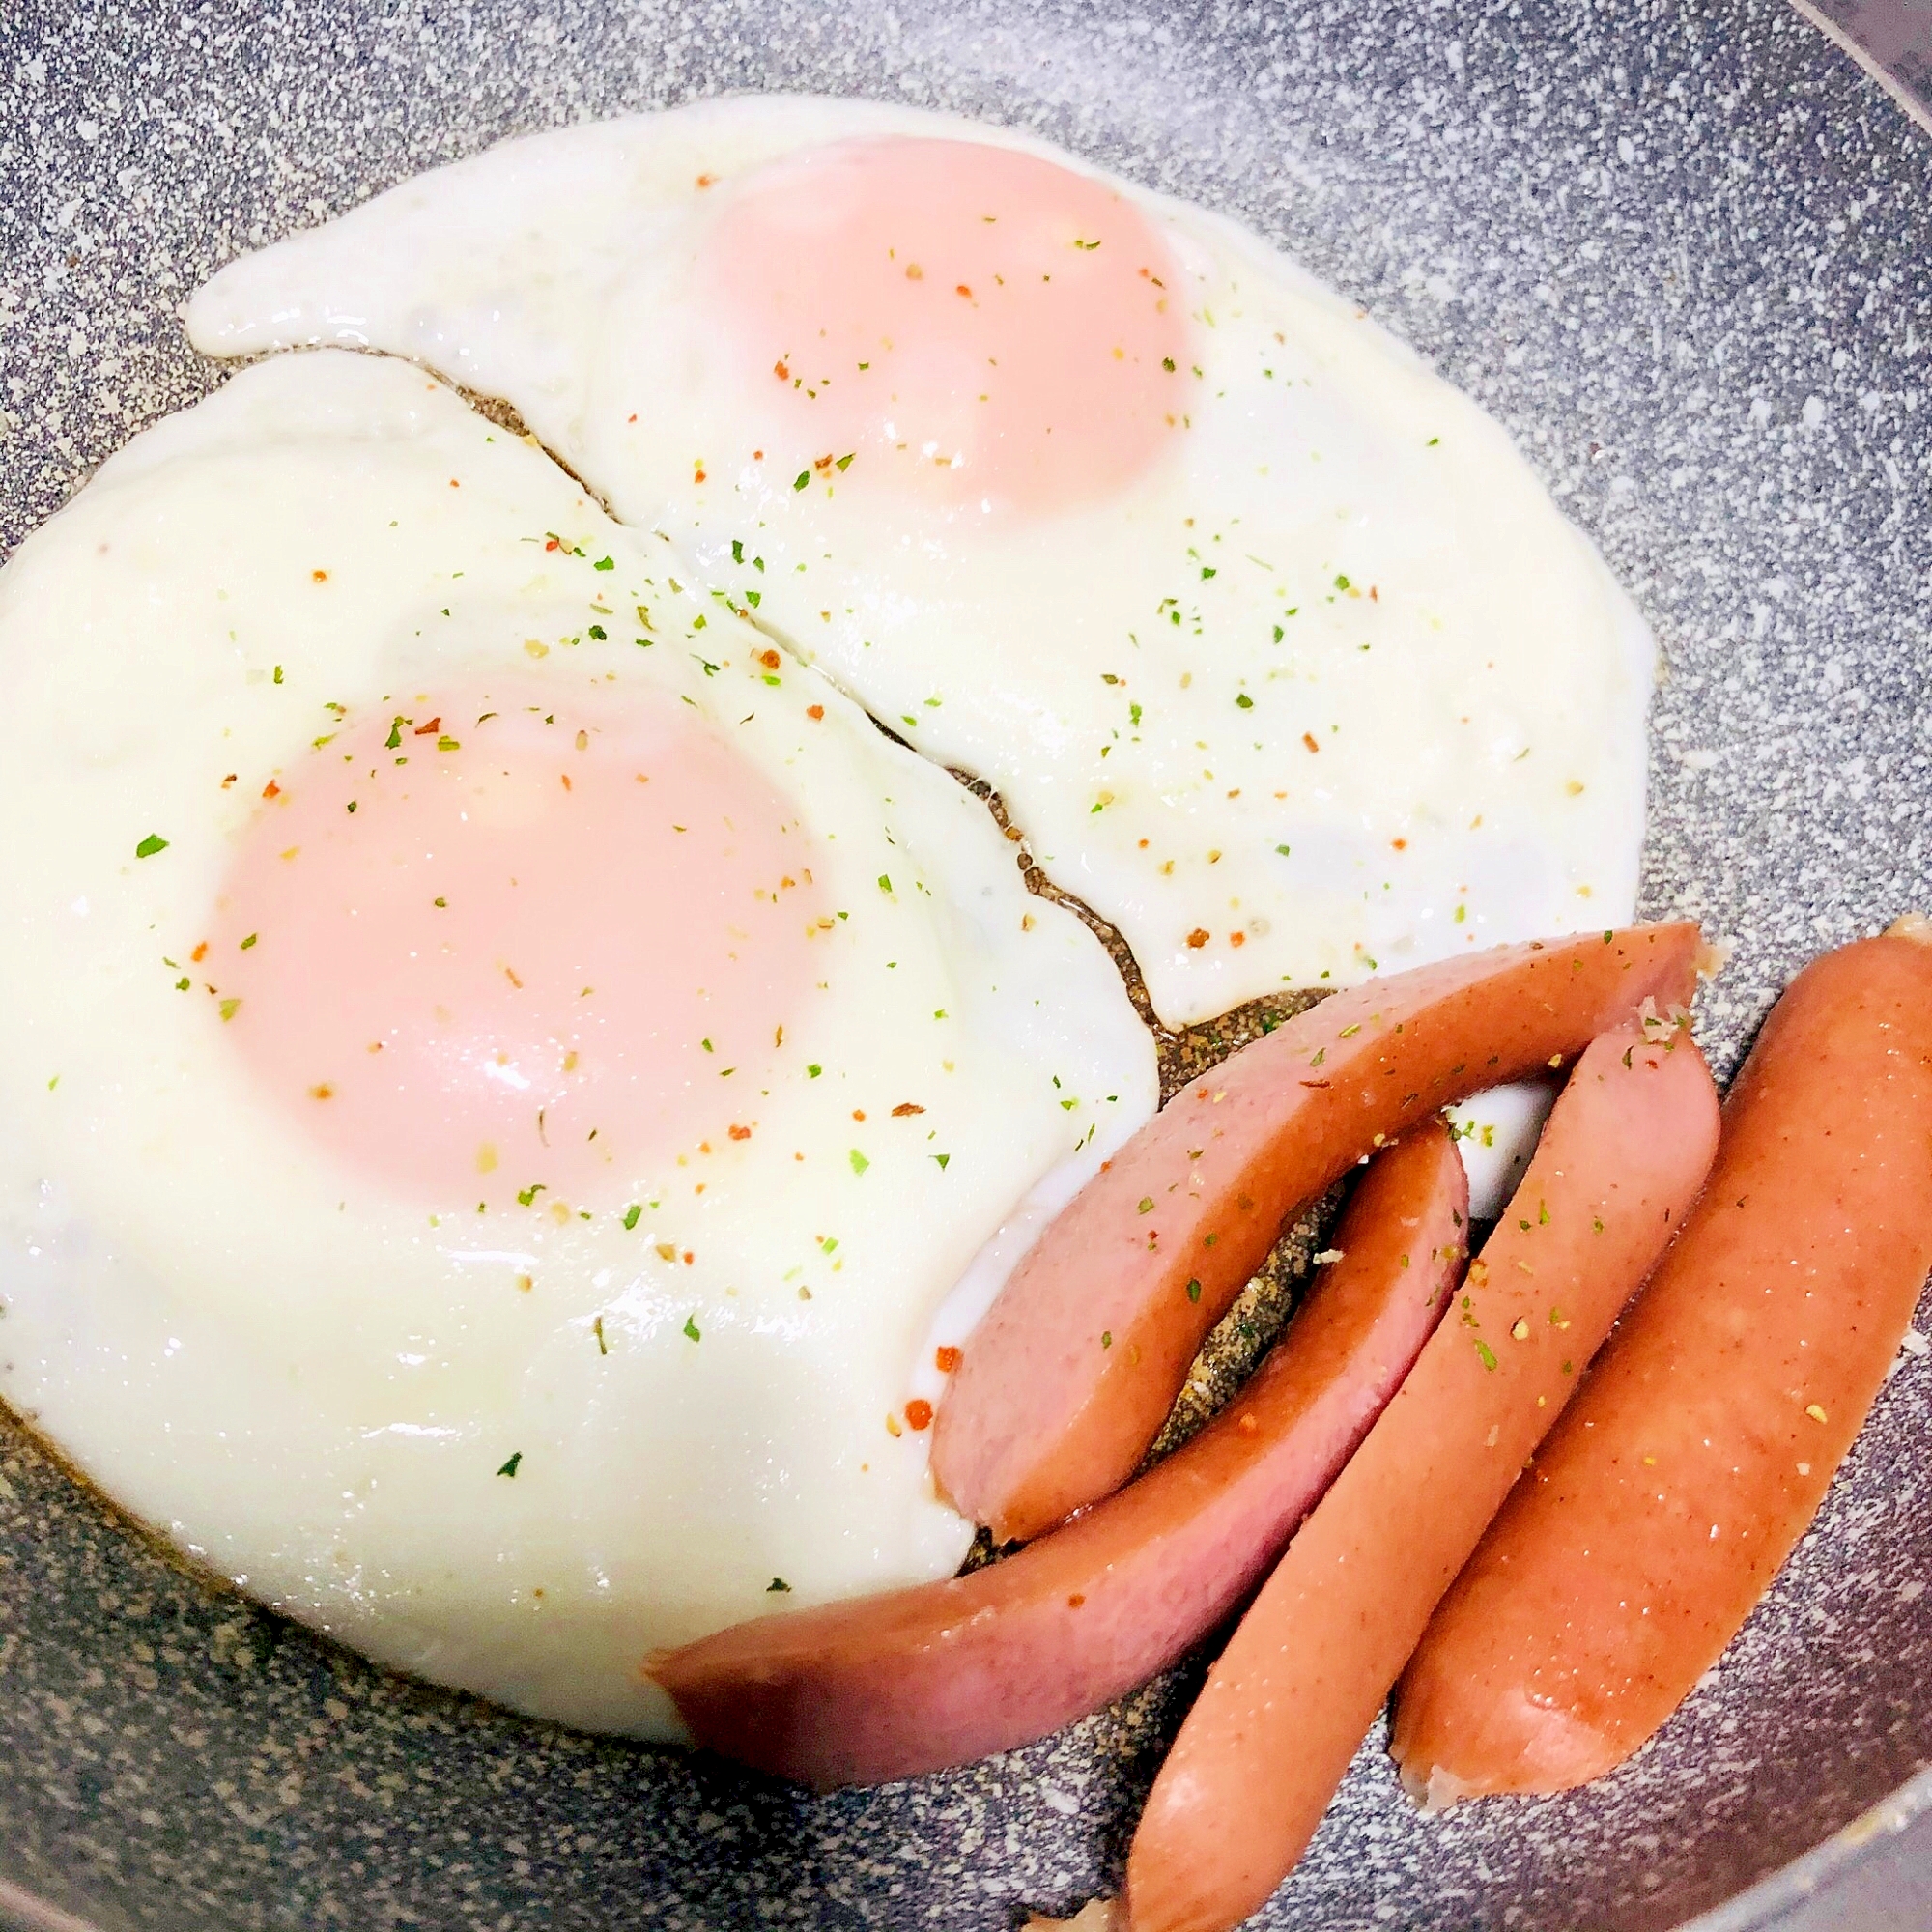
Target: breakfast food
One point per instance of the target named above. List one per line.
(889, 1686)
(499, 1066)
(1067, 1381)
(1701, 1446)
(1282, 658)
(1288, 1700)
(508, 1074)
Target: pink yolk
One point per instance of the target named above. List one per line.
(478, 954)
(976, 322)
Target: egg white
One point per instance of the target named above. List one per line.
(1336, 691)
(315, 1385)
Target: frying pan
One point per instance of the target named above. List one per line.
(1684, 253)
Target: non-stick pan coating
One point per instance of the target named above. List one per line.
(1685, 252)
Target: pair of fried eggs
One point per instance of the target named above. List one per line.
(512, 1083)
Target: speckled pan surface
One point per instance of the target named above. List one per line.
(1685, 252)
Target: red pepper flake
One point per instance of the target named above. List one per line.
(1079, 1597)
(319, 576)
(322, 1092)
(707, 181)
(1400, 844)
(913, 273)
(1237, 939)
(1198, 938)
(1308, 739)
(858, 1113)
(739, 1134)
(1248, 1426)
(554, 544)
(919, 1414)
(430, 730)
(454, 484)
(689, 1258)
(946, 1358)
(963, 290)
(782, 369)
(229, 779)
(697, 472)
(769, 659)
(271, 789)
(904, 1108)
(815, 712)
(200, 952)
(822, 463)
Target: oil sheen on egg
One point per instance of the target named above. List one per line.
(1279, 652)
(500, 1067)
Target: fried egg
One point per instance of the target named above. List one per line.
(500, 1067)
(1277, 650)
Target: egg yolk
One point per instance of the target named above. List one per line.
(993, 329)
(486, 948)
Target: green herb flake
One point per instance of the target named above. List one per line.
(602, 562)
(691, 1328)
(1147, 1203)
(802, 477)
(1106, 1338)
(1194, 1290)
(943, 1159)
(813, 1070)
(229, 1008)
(510, 1467)
(249, 940)
(631, 1215)
(1487, 1354)
(597, 1329)
(779, 1585)
(1242, 699)
(153, 843)
(859, 1161)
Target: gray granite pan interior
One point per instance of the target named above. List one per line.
(1685, 252)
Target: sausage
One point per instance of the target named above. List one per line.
(1702, 1446)
(913, 1680)
(1069, 1378)
(1285, 1705)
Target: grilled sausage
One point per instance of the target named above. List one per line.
(1067, 1380)
(1702, 1446)
(1256, 1763)
(909, 1681)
